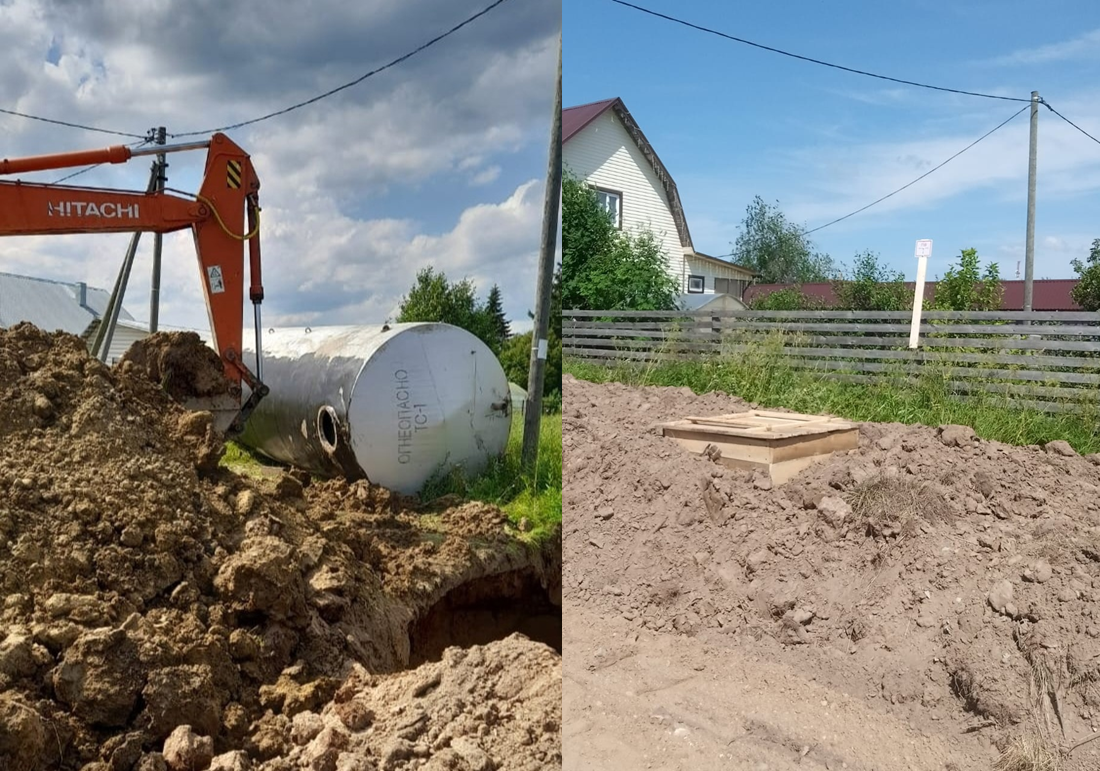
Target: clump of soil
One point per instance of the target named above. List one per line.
(950, 580)
(145, 589)
(181, 364)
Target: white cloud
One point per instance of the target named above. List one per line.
(881, 97)
(842, 179)
(1086, 46)
(1054, 254)
(978, 198)
(457, 118)
(486, 175)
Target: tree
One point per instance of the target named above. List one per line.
(778, 249)
(872, 286)
(1087, 291)
(434, 298)
(603, 268)
(586, 232)
(498, 324)
(966, 288)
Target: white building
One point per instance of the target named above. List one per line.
(75, 308)
(603, 145)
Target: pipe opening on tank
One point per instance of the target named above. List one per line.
(327, 428)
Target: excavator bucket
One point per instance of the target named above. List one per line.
(225, 410)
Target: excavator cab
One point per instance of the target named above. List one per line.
(224, 217)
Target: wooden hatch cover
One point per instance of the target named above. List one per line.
(781, 443)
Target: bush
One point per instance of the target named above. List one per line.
(604, 269)
(790, 299)
(965, 288)
(873, 287)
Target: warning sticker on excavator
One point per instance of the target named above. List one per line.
(233, 175)
(214, 274)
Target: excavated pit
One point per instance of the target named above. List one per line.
(484, 610)
(146, 589)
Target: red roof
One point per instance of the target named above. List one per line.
(1047, 294)
(573, 119)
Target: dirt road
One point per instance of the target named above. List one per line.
(663, 702)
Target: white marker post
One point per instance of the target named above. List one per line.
(924, 251)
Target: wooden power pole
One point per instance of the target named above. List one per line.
(539, 343)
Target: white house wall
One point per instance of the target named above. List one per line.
(604, 155)
(710, 271)
(121, 341)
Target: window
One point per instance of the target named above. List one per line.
(612, 203)
(730, 286)
(696, 284)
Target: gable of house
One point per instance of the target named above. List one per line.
(604, 153)
(603, 145)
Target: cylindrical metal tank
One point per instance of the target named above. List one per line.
(394, 404)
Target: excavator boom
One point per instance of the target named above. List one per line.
(32, 210)
(223, 216)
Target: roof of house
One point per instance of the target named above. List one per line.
(574, 119)
(51, 305)
(725, 263)
(1047, 294)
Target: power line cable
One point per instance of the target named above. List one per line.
(74, 174)
(1067, 120)
(710, 31)
(68, 124)
(355, 82)
(918, 179)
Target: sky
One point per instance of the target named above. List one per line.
(730, 121)
(440, 161)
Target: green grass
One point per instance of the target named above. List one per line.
(240, 459)
(764, 376)
(534, 496)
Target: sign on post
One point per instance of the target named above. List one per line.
(923, 252)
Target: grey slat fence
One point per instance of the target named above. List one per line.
(1042, 360)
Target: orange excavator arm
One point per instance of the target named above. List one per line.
(223, 216)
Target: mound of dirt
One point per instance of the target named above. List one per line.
(145, 589)
(497, 706)
(951, 581)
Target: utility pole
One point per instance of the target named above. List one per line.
(539, 344)
(1029, 244)
(161, 170)
(101, 346)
